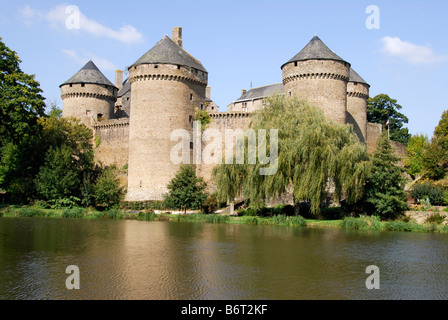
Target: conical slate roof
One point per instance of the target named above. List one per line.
(315, 50)
(166, 51)
(355, 77)
(89, 74)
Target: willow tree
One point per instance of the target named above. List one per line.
(314, 153)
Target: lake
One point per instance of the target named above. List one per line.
(184, 261)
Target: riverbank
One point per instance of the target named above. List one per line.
(413, 223)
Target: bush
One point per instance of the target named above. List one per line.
(74, 213)
(108, 191)
(436, 218)
(399, 225)
(363, 222)
(30, 212)
(427, 190)
(71, 202)
(251, 220)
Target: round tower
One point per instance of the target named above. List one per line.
(357, 95)
(166, 84)
(88, 96)
(317, 74)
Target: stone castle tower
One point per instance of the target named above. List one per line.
(166, 84)
(134, 119)
(317, 74)
(88, 96)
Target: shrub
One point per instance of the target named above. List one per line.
(30, 212)
(297, 221)
(251, 220)
(436, 218)
(363, 222)
(74, 213)
(71, 202)
(108, 191)
(399, 225)
(427, 190)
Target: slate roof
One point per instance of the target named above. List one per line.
(262, 92)
(166, 51)
(315, 50)
(126, 87)
(89, 74)
(355, 77)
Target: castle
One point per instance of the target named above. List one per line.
(132, 120)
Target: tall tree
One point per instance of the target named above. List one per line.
(312, 153)
(382, 109)
(417, 147)
(186, 190)
(384, 190)
(21, 102)
(436, 158)
(21, 105)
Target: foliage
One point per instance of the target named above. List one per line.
(108, 191)
(211, 204)
(427, 190)
(382, 109)
(186, 190)
(312, 151)
(74, 213)
(384, 190)
(436, 218)
(21, 102)
(58, 178)
(203, 116)
(414, 162)
(435, 159)
(361, 223)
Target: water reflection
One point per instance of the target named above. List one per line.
(161, 260)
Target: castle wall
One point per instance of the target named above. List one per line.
(221, 122)
(374, 131)
(322, 82)
(357, 95)
(112, 137)
(163, 100)
(86, 102)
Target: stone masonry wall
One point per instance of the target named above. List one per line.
(322, 82)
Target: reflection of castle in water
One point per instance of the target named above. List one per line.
(134, 119)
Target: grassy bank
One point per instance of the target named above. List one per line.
(350, 223)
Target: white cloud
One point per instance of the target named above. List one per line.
(412, 53)
(83, 57)
(71, 18)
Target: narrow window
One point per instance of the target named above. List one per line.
(156, 66)
(191, 145)
(83, 85)
(190, 119)
(191, 97)
(178, 67)
(295, 63)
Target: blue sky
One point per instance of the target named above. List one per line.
(243, 42)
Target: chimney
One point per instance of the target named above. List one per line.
(208, 92)
(243, 92)
(119, 79)
(177, 36)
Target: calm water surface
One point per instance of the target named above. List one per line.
(167, 260)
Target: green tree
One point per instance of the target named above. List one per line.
(382, 109)
(313, 153)
(436, 158)
(384, 190)
(108, 191)
(417, 147)
(21, 102)
(186, 190)
(59, 177)
(69, 158)
(21, 105)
